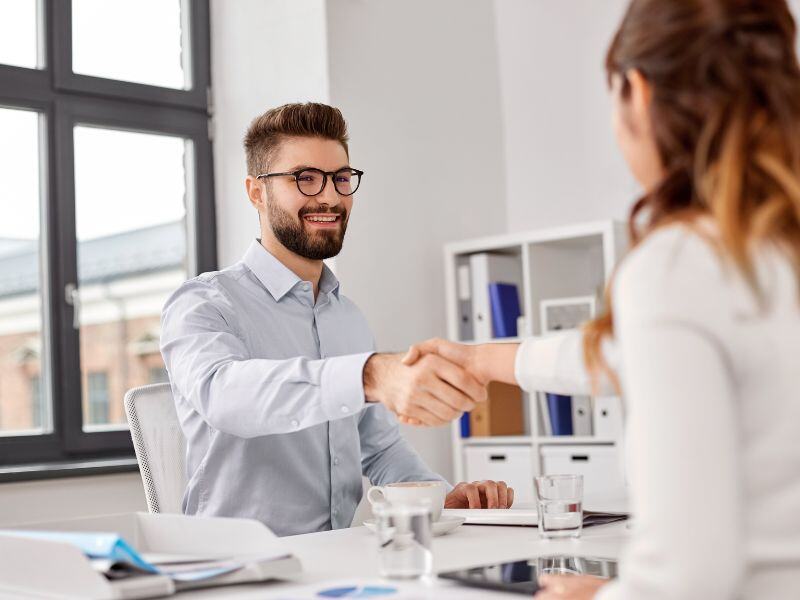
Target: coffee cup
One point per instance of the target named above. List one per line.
(411, 492)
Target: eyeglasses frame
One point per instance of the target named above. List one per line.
(325, 175)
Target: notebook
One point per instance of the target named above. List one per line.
(525, 516)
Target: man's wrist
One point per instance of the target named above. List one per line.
(372, 376)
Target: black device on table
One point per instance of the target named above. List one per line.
(520, 577)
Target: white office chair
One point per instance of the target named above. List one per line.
(159, 444)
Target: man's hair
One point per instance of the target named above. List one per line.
(310, 119)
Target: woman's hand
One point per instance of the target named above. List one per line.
(568, 587)
(485, 362)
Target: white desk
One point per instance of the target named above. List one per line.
(336, 555)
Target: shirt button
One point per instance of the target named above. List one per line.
(345, 409)
(336, 460)
(306, 287)
(295, 423)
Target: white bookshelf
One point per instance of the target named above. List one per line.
(563, 262)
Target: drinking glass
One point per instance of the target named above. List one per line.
(560, 505)
(404, 534)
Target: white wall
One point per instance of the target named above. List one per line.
(562, 164)
(264, 53)
(29, 501)
(417, 81)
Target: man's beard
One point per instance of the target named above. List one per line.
(293, 235)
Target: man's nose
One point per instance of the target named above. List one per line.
(329, 195)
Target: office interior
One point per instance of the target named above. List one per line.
(475, 123)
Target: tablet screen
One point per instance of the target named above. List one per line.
(521, 576)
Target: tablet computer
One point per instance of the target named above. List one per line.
(521, 576)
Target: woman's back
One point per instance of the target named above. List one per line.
(712, 381)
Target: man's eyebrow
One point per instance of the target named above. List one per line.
(301, 167)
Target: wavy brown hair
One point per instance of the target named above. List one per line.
(725, 114)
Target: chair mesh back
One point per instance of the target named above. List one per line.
(159, 444)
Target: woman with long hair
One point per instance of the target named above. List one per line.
(701, 330)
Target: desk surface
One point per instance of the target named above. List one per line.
(350, 553)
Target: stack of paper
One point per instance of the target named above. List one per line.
(527, 517)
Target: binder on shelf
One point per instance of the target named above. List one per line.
(581, 415)
(608, 417)
(465, 425)
(502, 414)
(486, 268)
(560, 408)
(504, 302)
(544, 413)
(464, 291)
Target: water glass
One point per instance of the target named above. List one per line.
(560, 505)
(405, 532)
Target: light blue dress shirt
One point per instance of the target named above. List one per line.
(269, 392)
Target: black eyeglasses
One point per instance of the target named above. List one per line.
(312, 181)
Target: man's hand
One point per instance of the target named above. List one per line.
(460, 354)
(432, 391)
(569, 587)
(463, 355)
(480, 494)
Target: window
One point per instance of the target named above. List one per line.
(105, 191)
(159, 375)
(97, 400)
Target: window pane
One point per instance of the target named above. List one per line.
(24, 405)
(131, 198)
(18, 33)
(142, 41)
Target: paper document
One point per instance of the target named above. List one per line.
(524, 516)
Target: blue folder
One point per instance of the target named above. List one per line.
(504, 300)
(560, 408)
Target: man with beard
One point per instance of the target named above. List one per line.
(281, 397)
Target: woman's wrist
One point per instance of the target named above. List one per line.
(494, 362)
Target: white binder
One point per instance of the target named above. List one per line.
(486, 268)
(581, 415)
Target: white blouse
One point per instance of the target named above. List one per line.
(712, 391)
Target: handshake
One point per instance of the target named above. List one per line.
(433, 383)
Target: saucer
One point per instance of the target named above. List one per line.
(444, 525)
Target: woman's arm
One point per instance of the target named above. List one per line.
(551, 364)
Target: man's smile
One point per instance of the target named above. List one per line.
(323, 220)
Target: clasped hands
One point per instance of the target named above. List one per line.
(433, 383)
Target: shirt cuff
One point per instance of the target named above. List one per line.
(342, 385)
(521, 361)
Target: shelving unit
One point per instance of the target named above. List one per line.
(564, 262)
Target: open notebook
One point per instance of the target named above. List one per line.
(525, 515)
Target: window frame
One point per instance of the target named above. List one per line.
(65, 99)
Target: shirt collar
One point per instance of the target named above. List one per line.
(277, 277)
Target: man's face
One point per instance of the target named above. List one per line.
(302, 223)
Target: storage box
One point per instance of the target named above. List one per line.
(60, 570)
(603, 478)
(512, 464)
(501, 414)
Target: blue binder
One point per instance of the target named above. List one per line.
(504, 301)
(465, 428)
(560, 408)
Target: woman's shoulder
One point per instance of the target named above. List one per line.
(675, 250)
(678, 267)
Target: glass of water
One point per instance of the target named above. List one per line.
(560, 505)
(404, 540)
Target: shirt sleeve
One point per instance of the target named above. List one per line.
(682, 431)
(555, 364)
(209, 365)
(386, 456)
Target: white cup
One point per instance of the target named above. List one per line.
(409, 493)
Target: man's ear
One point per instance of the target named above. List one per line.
(255, 193)
(641, 94)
